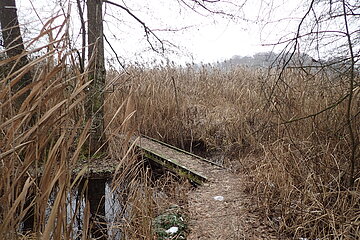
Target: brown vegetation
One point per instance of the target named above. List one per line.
(41, 140)
(289, 137)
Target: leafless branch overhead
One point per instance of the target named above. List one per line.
(148, 31)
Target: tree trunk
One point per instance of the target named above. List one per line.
(95, 101)
(13, 41)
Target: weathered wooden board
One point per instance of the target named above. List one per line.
(181, 162)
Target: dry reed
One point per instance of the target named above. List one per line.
(294, 153)
(297, 167)
(41, 139)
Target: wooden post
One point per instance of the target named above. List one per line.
(97, 73)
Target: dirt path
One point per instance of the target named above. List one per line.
(226, 219)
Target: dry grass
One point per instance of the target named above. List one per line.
(184, 105)
(143, 195)
(299, 169)
(41, 138)
(42, 133)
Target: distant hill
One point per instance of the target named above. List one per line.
(267, 59)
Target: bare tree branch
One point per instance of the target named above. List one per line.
(353, 141)
(83, 35)
(202, 5)
(295, 45)
(116, 55)
(148, 31)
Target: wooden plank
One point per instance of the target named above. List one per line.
(182, 150)
(177, 160)
(175, 167)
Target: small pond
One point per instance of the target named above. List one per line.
(105, 210)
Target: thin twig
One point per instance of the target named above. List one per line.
(83, 36)
(148, 31)
(353, 141)
(116, 55)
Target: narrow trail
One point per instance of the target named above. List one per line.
(229, 218)
(213, 219)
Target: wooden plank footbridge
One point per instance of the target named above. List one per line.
(181, 162)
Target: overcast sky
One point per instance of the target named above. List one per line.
(193, 36)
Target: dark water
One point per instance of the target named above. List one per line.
(105, 210)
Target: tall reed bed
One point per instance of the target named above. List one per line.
(42, 131)
(303, 179)
(185, 105)
(143, 194)
(288, 134)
